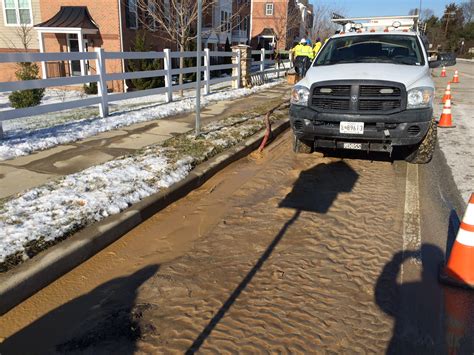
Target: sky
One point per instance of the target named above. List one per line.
(359, 8)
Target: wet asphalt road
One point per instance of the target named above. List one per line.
(285, 254)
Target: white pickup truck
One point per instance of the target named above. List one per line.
(368, 91)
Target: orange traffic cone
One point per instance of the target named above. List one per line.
(460, 268)
(455, 77)
(445, 120)
(447, 93)
(443, 72)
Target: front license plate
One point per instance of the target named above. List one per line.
(357, 146)
(351, 127)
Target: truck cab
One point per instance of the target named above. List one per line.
(367, 90)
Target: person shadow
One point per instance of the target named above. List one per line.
(105, 320)
(318, 187)
(421, 309)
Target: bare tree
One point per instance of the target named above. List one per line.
(23, 35)
(286, 26)
(426, 14)
(177, 19)
(323, 27)
(468, 10)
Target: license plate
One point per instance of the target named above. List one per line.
(351, 127)
(357, 146)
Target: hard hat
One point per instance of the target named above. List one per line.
(303, 40)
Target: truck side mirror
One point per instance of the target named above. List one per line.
(434, 63)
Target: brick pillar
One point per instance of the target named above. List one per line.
(245, 64)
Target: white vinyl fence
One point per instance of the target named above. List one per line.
(102, 77)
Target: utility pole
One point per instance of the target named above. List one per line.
(198, 68)
(448, 15)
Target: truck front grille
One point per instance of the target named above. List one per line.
(378, 105)
(358, 97)
(326, 103)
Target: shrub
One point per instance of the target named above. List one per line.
(139, 45)
(26, 98)
(91, 88)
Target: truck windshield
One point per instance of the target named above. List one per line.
(390, 48)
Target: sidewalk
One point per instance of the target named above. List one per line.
(26, 172)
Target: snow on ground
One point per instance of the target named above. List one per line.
(456, 144)
(51, 96)
(18, 142)
(43, 215)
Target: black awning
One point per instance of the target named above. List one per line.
(267, 32)
(71, 16)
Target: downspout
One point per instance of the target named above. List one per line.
(251, 21)
(125, 88)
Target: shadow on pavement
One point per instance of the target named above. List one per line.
(453, 228)
(422, 310)
(105, 319)
(318, 187)
(314, 191)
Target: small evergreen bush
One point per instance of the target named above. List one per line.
(26, 98)
(91, 88)
(140, 45)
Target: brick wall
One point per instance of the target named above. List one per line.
(277, 21)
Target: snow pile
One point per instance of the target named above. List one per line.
(59, 208)
(49, 213)
(19, 143)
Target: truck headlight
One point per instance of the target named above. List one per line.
(299, 95)
(420, 97)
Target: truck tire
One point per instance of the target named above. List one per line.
(423, 152)
(300, 146)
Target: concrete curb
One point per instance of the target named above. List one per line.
(465, 60)
(34, 274)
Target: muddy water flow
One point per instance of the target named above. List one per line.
(288, 253)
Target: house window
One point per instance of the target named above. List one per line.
(269, 9)
(238, 24)
(151, 19)
(245, 25)
(225, 21)
(131, 18)
(17, 12)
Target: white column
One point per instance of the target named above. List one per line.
(102, 84)
(80, 38)
(168, 77)
(44, 71)
(262, 64)
(207, 71)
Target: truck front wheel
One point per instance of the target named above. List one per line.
(301, 146)
(423, 152)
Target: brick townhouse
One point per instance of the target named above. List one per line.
(279, 23)
(14, 14)
(84, 25)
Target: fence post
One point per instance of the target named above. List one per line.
(102, 83)
(207, 71)
(1, 130)
(168, 78)
(262, 64)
